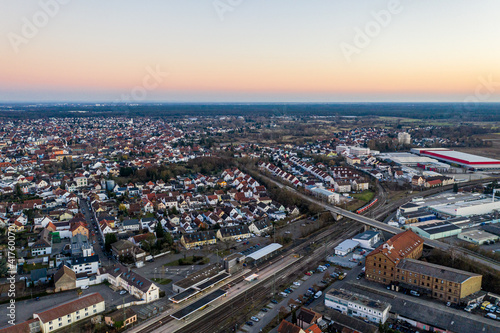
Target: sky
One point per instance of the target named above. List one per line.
(249, 51)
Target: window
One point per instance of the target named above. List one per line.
(50, 322)
(51, 328)
(60, 319)
(95, 310)
(60, 324)
(77, 317)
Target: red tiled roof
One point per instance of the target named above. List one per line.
(70, 307)
(399, 246)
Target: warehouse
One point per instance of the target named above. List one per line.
(478, 237)
(434, 229)
(468, 208)
(463, 159)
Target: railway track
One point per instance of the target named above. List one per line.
(225, 318)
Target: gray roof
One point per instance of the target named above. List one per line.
(131, 222)
(369, 234)
(435, 271)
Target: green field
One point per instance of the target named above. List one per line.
(364, 196)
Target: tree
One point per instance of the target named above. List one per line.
(108, 240)
(294, 317)
(118, 324)
(160, 233)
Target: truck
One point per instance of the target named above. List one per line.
(318, 294)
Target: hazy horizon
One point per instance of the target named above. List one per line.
(278, 51)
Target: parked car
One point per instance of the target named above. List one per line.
(254, 318)
(263, 310)
(274, 301)
(249, 323)
(416, 293)
(308, 274)
(296, 283)
(123, 292)
(84, 287)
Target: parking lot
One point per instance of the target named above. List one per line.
(25, 309)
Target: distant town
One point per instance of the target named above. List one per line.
(248, 223)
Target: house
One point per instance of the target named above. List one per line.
(367, 239)
(132, 224)
(381, 263)
(79, 228)
(70, 312)
(233, 233)
(307, 318)
(260, 227)
(287, 327)
(127, 316)
(43, 245)
(88, 265)
(124, 278)
(64, 279)
(122, 247)
(417, 181)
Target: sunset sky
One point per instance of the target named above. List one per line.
(250, 51)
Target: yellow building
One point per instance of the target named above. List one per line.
(198, 239)
(444, 283)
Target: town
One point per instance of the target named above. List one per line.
(245, 223)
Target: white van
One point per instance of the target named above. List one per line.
(283, 294)
(318, 294)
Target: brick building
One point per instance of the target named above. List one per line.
(444, 283)
(381, 262)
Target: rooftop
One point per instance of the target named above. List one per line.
(435, 271)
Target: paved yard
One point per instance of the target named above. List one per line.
(25, 309)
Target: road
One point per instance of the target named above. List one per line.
(93, 228)
(393, 230)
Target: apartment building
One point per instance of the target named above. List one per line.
(70, 312)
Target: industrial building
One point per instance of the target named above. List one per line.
(357, 305)
(434, 229)
(346, 247)
(412, 160)
(463, 159)
(478, 237)
(441, 282)
(468, 208)
(381, 263)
